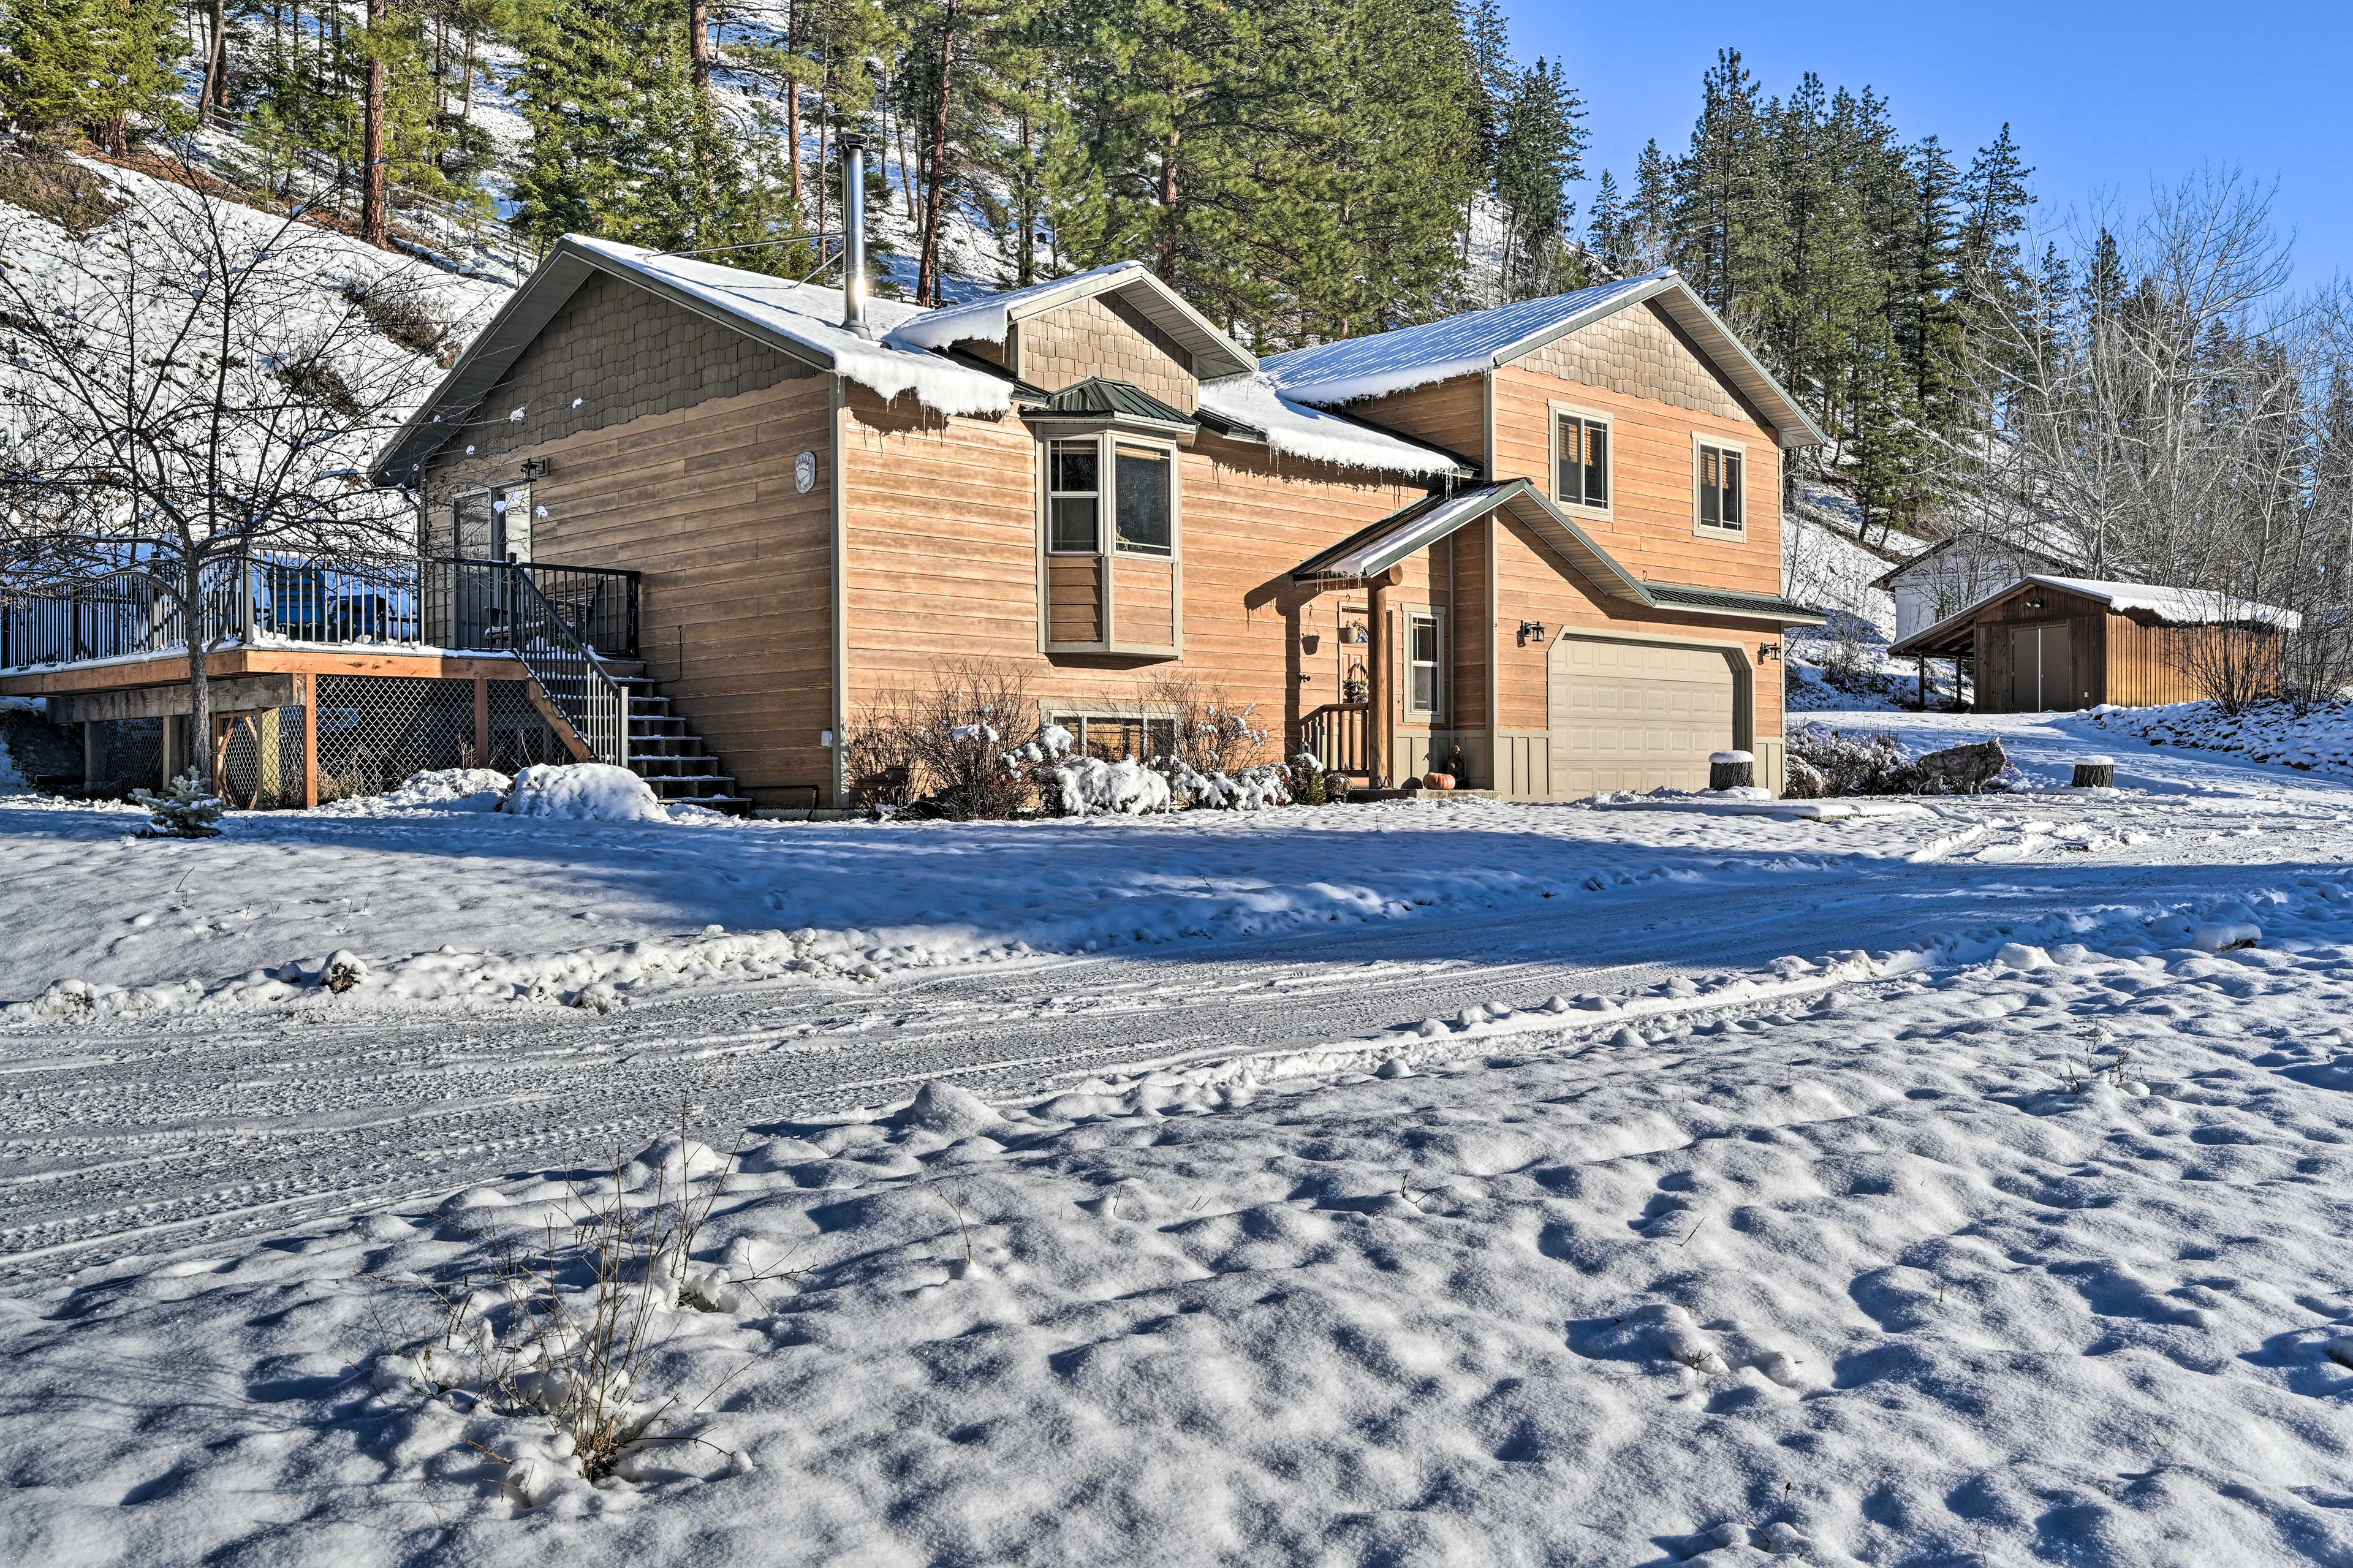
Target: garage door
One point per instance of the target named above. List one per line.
(1633, 715)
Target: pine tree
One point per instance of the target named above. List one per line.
(1729, 236)
(186, 810)
(93, 65)
(1611, 234)
(1542, 152)
(1494, 76)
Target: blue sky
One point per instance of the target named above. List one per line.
(2101, 97)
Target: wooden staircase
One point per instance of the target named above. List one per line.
(670, 757)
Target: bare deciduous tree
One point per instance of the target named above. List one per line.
(183, 389)
(2166, 400)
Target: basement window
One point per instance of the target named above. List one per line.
(1719, 472)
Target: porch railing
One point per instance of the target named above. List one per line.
(1335, 735)
(570, 671)
(383, 601)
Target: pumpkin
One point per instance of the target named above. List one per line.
(1438, 781)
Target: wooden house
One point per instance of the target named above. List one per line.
(1546, 534)
(2046, 643)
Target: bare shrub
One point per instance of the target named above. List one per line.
(1209, 731)
(566, 1331)
(2235, 660)
(400, 310)
(951, 731)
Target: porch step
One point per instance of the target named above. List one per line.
(665, 752)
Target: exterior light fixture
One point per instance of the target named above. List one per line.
(1766, 652)
(537, 467)
(1531, 631)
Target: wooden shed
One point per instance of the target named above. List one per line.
(2049, 642)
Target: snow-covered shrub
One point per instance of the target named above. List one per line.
(1075, 786)
(1804, 780)
(1208, 731)
(188, 810)
(1850, 761)
(450, 789)
(583, 792)
(1252, 789)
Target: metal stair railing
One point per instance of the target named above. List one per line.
(569, 673)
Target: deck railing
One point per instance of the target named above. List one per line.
(570, 671)
(1334, 733)
(381, 601)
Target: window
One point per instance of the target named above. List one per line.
(1584, 476)
(1072, 498)
(1143, 516)
(492, 524)
(1425, 655)
(1720, 469)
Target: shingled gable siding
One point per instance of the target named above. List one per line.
(1101, 336)
(614, 353)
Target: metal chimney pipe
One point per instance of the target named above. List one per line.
(853, 225)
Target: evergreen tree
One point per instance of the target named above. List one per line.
(1729, 234)
(1611, 236)
(93, 65)
(1654, 203)
(1495, 76)
(1541, 154)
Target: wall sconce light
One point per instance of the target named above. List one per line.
(1531, 631)
(1766, 652)
(537, 467)
(2035, 603)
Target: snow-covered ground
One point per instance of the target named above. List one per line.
(1415, 1183)
(2319, 739)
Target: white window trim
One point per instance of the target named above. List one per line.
(1551, 464)
(1738, 532)
(1436, 712)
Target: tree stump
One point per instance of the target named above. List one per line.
(2095, 772)
(1731, 770)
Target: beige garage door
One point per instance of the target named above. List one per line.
(1634, 715)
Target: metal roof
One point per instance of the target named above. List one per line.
(987, 318)
(1476, 343)
(1099, 396)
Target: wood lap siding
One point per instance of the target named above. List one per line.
(1143, 602)
(1448, 413)
(736, 563)
(942, 541)
(1074, 598)
(1650, 528)
(614, 353)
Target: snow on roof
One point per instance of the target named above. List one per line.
(810, 317)
(988, 318)
(2176, 607)
(1296, 431)
(1408, 357)
(1403, 532)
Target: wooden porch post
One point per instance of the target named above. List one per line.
(307, 691)
(481, 720)
(1376, 680)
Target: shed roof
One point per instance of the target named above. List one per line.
(1385, 362)
(2155, 602)
(1886, 580)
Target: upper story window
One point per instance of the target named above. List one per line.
(1145, 514)
(1582, 478)
(1074, 498)
(1719, 472)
